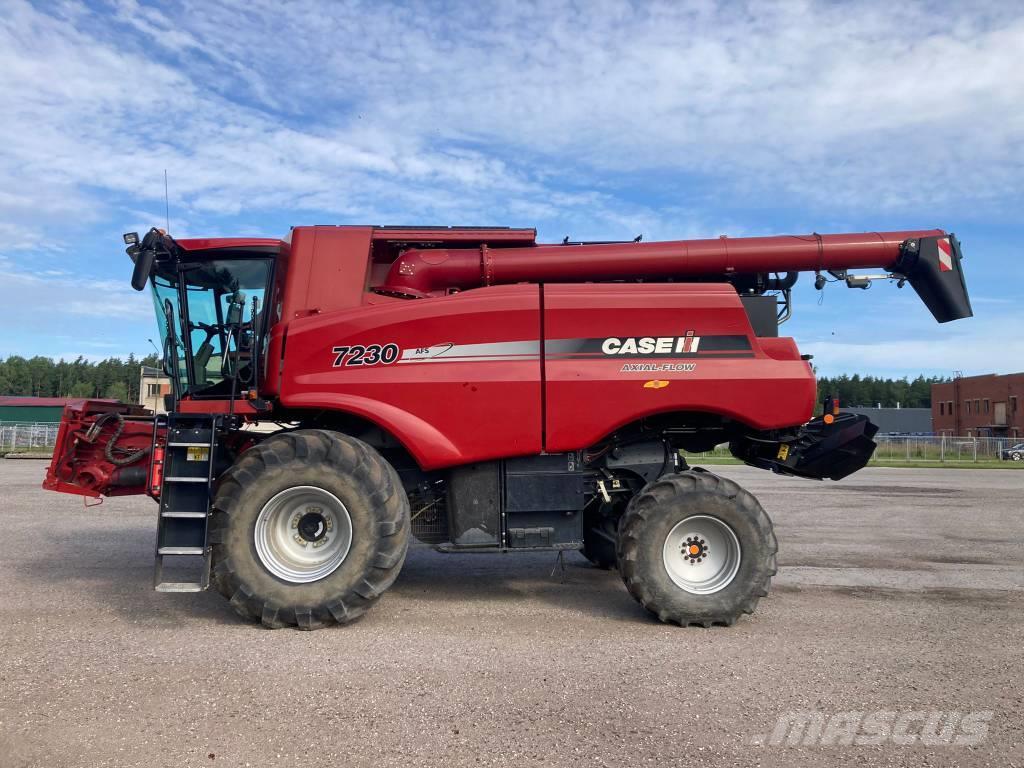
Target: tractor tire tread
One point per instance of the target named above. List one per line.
(345, 455)
(654, 498)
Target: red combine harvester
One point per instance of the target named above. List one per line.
(482, 393)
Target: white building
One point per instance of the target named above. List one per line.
(153, 385)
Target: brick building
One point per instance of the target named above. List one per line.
(980, 406)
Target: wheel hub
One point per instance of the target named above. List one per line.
(303, 534)
(701, 554)
(312, 527)
(694, 550)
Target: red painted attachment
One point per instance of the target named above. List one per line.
(80, 464)
(430, 272)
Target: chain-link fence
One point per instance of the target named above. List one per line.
(24, 436)
(19, 436)
(943, 448)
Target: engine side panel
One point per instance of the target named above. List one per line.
(455, 378)
(617, 352)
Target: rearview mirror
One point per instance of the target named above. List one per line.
(144, 254)
(143, 266)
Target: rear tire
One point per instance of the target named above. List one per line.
(331, 491)
(695, 548)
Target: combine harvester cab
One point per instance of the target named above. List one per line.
(483, 393)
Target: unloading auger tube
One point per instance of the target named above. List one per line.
(928, 259)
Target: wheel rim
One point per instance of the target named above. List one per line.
(303, 534)
(701, 554)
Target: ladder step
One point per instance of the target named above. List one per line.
(179, 586)
(183, 516)
(181, 551)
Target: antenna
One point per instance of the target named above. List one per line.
(167, 205)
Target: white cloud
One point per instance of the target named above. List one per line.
(372, 111)
(893, 340)
(603, 119)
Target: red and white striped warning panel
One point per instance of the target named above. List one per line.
(945, 255)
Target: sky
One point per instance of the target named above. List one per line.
(598, 120)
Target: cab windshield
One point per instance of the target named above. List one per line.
(215, 309)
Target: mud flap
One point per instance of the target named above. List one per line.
(817, 450)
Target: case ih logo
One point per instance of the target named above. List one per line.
(652, 345)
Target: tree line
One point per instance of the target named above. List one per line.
(119, 379)
(868, 391)
(44, 377)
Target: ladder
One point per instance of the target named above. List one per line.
(185, 496)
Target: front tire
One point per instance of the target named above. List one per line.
(309, 528)
(695, 548)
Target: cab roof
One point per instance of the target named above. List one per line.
(233, 243)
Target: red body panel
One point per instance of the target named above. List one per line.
(445, 409)
(326, 270)
(587, 398)
(467, 385)
(241, 407)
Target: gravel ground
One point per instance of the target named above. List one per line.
(900, 591)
